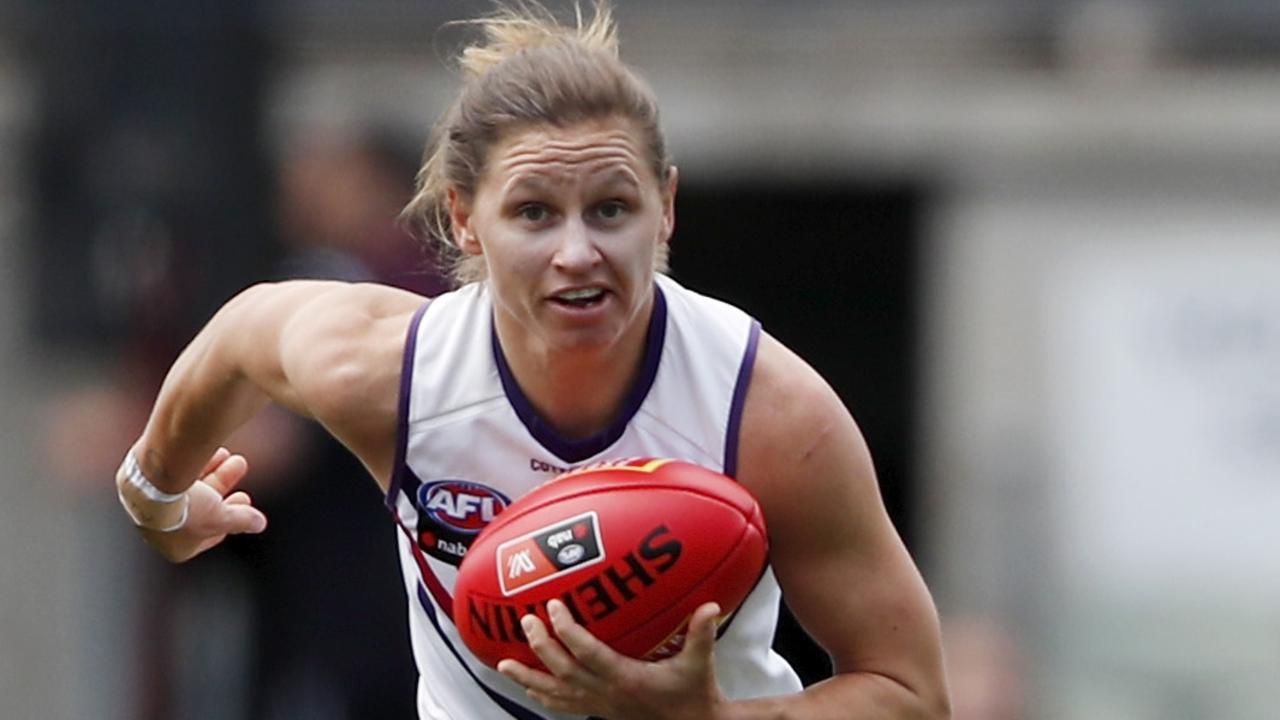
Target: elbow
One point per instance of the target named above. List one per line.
(932, 700)
(939, 706)
(928, 705)
(924, 700)
(927, 701)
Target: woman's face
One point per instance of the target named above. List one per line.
(568, 221)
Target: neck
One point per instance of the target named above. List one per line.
(578, 392)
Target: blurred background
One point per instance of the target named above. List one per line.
(1034, 244)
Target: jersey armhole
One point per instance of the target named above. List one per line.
(402, 413)
(734, 428)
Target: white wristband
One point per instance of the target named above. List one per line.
(134, 478)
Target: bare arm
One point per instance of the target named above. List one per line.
(841, 565)
(326, 350)
(843, 569)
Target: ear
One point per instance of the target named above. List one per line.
(669, 204)
(460, 222)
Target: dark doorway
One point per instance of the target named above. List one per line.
(830, 270)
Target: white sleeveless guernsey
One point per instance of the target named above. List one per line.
(470, 442)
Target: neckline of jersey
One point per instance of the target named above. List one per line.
(578, 450)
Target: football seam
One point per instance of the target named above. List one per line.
(503, 519)
(747, 518)
(715, 568)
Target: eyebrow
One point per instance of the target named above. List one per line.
(537, 181)
(532, 181)
(624, 175)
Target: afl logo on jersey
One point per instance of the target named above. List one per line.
(462, 506)
(451, 513)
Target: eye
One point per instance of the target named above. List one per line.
(533, 212)
(611, 210)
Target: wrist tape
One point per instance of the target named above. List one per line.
(135, 479)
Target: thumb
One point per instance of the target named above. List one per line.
(240, 517)
(701, 637)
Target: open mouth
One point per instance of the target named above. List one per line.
(580, 298)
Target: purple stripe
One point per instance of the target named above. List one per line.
(512, 707)
(739, 399)
(573, 451)
(433, 584)
(402, 414)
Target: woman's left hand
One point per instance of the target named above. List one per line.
(588, 677)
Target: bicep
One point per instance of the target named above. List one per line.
(332, 352)
(343, 359)
(844, 571)
(260, 325)
(300, 341)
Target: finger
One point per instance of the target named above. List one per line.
(547, 648)
(560, 703)
(238, 497)
(229, 472)
(531, 679)
(586, 648)
(240, 519)
(701, 638)
(215, 460)
(550, 691)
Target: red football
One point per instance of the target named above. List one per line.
(631, 548)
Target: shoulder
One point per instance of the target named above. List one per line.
(342, 349)
(338, 325)
(329, 301)
(800, 450)
(789, 409)
(346, 334)
(298, 327)
(295, 305)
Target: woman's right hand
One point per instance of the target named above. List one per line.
(213, 512)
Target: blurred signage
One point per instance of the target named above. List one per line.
(1164, 375)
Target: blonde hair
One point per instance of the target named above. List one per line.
(528, 69)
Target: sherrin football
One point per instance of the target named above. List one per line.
(631, 548)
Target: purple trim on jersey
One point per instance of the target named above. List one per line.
(573, 451)
(428, 576)
(409, 482)
(513, 708)
(402, 415)
(739, 400)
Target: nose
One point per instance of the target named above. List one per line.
(576, 250)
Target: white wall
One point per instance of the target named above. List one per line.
(1104, 429)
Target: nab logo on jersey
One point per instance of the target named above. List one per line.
(450, 515)
(463, 506)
